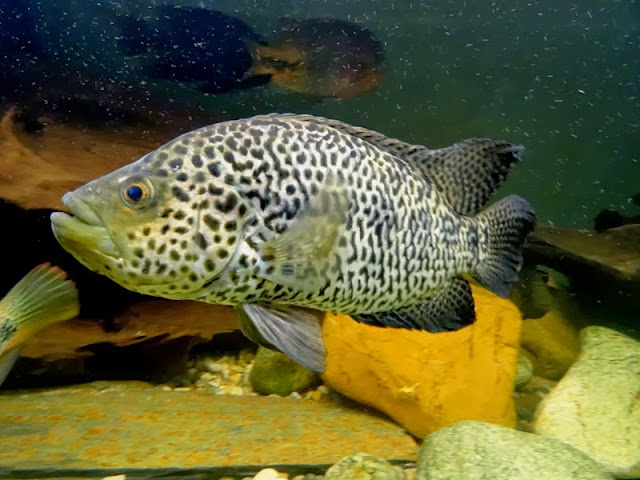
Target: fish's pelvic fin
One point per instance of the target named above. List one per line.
(450, 308)
(249, 330)
(294, 332)
(43, 296)
(300, 258)
(7, 360)
(505, 224)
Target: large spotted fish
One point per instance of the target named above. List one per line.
(279, 212)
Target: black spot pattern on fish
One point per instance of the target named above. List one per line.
(401, 239)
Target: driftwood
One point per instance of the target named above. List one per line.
(604, 266)
(36, 169)
(158, 319)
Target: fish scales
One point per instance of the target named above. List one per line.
(280, 212)
(280, 172)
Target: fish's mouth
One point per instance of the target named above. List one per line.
(83, 230)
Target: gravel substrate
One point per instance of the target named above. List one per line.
(228, 374)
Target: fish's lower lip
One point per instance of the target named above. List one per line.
(76, 233)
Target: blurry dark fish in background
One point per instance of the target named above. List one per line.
(322, 57)
(185, 44)
(95, 103)
(608, 219)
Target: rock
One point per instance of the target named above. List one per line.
(274, 372)
(526, 404)
(135, 426)
(605, 267)
(361, 466)
(531, 293)
(269, 474)
(529, 397)
(471, 450)
(596, 405)
(552, 342)
(524, 371)
(428, 380)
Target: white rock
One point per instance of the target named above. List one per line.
(269, 474)
(472, 450)
(213, 367)
(596, 406)
(236, 391)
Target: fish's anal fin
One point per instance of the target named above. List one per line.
(7, 360)
(294, 332)
(300, 258)
(450, 308)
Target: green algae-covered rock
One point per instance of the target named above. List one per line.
(524, 373)
(149, 433)
(596, 406)
(472, 450)
(361, 466)
(274, 372)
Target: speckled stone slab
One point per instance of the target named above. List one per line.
(131, 427)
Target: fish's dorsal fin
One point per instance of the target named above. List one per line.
(396, 147)
(450, 308)
(466, 173)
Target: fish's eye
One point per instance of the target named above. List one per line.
(135, 193)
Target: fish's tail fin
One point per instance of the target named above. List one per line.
(504, 226)
(43, 296)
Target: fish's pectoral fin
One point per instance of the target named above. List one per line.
(294, 332)
(7, 360)
(450, 308)
(300, 258)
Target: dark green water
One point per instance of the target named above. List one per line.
(562, 78)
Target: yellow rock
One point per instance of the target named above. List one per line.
(426, 381)
(553, 343)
